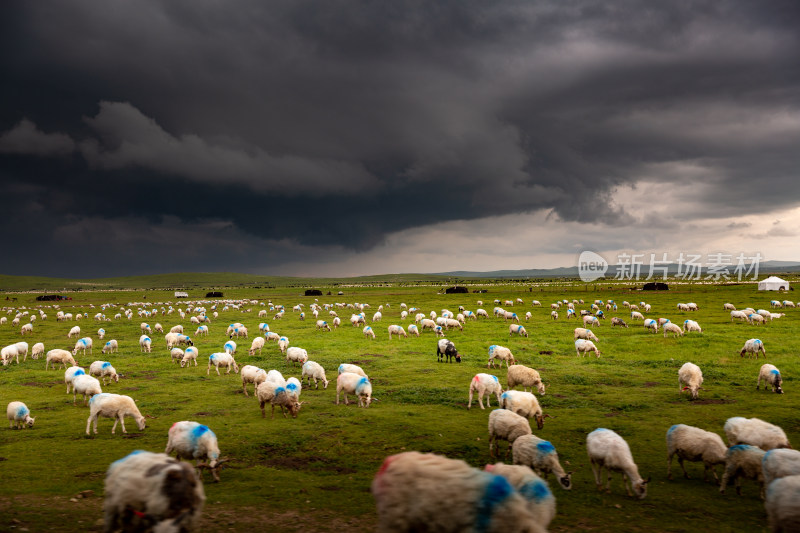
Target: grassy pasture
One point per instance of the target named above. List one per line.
(313, 473)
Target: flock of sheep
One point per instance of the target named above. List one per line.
(410, 487)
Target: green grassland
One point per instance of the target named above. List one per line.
(313, 473)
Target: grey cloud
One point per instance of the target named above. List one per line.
(25, 138)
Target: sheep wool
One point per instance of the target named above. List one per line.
(694, 444)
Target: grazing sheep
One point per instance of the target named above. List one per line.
(783, 505)
(74, 332)
(190, 355)
(607, 449)
(553, 314)
(296, 355)
(313, 370)
(691, 325)
(257, 344)
(694, 444)
(690, 378)
(59, 357)
(508, 426)
(145, 344)
(294, 387)
(500, 353)
(9, 353)
(176, 329)
(651, 324)
(353, 369)
(409, 490)
(114, 406)
(83, 344)
(590, 320)
(482, 312)
(86, 385)
(534, 489)
(541, 456)
(484, 384)
(583, 346)
(524, 404)
(583, 333)
(252, 374)
(618, 322)
(635, 315)
(671, 327)
(397, 330)
(741, 315)
(780, 463)
(192, 440)
(753, 346)
(755, 432)
(145, 328)
(516, 328)
(369, 332)
(19, 415)
(283, 344)
(350, 383)
(110, 346)
(230, 347)
(446, 350)
(36, 351)
(771, 376)
(730, 307)
(527, 377)
(104, 370)
(201, 331)
(222, 359)
(26, 328)
(152, 492)
(743, 460)
(755, 318)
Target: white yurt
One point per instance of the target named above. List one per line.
(773, 283)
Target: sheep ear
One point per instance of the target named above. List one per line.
(547, 416)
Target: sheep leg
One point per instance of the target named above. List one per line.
(608, 485)
(596, 472)
(217, 368)
(469, 404)
(683, 467)
(263, 414)
(669, 466)
(480, 399)
(244, 388)
(74, 396)
(725, 477)
(627, 482)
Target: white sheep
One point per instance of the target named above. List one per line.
(590, 320)
(690, 378)
(779, 463)
(671, 327)
(508, 426)
(635, 315)
(19, 415)
(651, 324)
(771, 376)
(110, 346)
(583, 346)
(413, 330)
(176, 329)
(145, 344)
(74, 332)
(583, 333)
(755, 432)
(252, 374)
(192, 440)
(534, 489)
(201, 331)
(524, 404)
(730, 307)
(37, 350)
(82, 345)
(743, 460)
(86, 385)
(323, 325)
(353, 369)
(754, 318)
(296, 355)
(59, 357)
(22, 349)
(408, 490)
(753, 346)
(313, 370)
(541, 456)
(607, 449)
(396, 330)
(153, 492)
(369, 332)
(500, 353)
(359, 386)
(116, 406)
(741, 315)
(9, 353)
(222, 359)
(691, 325)
(257, 344)
(145, 328)
(516, 328)
(527, 377)
(276, 377)
(484, 384)
(275, 394)
(230, 347)
(283, 344)
(337, 322)
(26, 328)
(104, 370)
(783, 505)
(189, 356)
(694, 444)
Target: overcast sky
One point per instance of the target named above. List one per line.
(341, 138)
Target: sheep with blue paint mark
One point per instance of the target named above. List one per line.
(534, 489)
(145, 344)
(755, 346)
(110, 346)
(369, 332)
(755, 432)
(294, 387)
(413, 330)
(394, 329)
(104, 370)
(201, 331)
(772, 378)
(82, 345)
(224, 360)
(690, 443)
(780, 463)
(283, 344)
(508, 426)
(152, 492)
(541, 456)
(192, 440)
(275, 394)
(518, 329)
(743, 460)
(500, 353)
(313, 370)
(651, 324)
(354, 369)
(484, 384)
(426, 492)
(116, 406)
(583, 333)
(359, 386)
(608, 450)
(145, 327)
(87, 385)
(189, 356)
(19, 415)
(230, 347)
(691, 325)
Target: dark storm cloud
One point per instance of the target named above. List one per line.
(161, 135)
